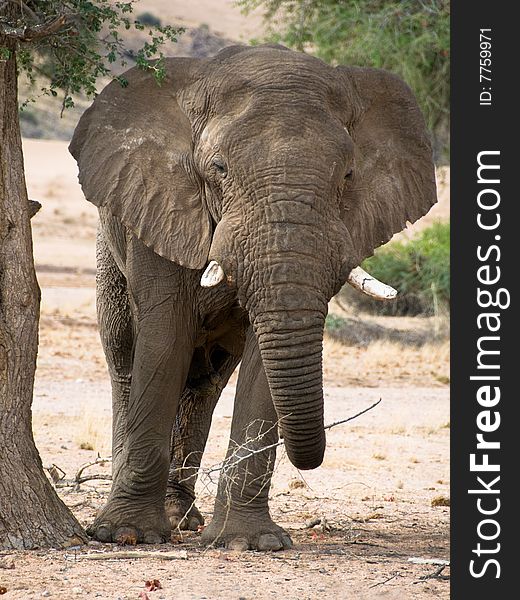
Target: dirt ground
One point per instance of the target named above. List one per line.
(380, 500)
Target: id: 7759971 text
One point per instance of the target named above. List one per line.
(485, 67)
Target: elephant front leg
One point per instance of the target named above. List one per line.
(135, 508)
(116, 333)
(190, 433)
(241, 519)
(163, 346)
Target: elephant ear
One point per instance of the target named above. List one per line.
(393, 178)
(133, 147)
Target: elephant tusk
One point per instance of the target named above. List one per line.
(364, 282)
(213, 275)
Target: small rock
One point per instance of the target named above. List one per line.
(312, 523)
(46, 593)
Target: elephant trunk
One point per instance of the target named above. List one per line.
(285, 271)
(286, 298)
(292, 357)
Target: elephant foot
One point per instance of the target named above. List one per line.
(240, 533)
(182, 512)
(127, 525)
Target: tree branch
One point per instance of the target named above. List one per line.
(29, 33)
(22, 6)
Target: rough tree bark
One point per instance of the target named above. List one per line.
(31, 514)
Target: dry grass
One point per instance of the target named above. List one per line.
(387, 363)
(93, 432)
(379, 456)
(373, 350)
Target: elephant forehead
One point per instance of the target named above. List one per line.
(254, 66)
(268, 72)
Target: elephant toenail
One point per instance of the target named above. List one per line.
(103, 533)
(240, 544)
(152, 537)
(287, 542)
(268, 541)
(174, 521)
(126, 536)
(194, 523)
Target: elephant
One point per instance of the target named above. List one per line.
(235, 199)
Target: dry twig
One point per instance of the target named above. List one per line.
(436, 574)
(229, 464)
(385, 581)
(79, 478)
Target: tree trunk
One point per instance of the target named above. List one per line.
(31, 514)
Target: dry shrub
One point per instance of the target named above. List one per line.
(440, 501)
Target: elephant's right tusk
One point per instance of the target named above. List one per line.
(364, 282)
(213, 275)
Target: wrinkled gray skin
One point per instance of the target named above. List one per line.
(286, 171)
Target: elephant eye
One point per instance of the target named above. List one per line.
(220, 166)
(349, 174)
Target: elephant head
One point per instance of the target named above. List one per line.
(282, 173)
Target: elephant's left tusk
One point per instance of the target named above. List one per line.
(364, 282)
(213, 275)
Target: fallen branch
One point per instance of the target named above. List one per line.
(97, 476)
(99, 461)
(436, 574)
(385, 581)
(429, 561)
(179, 555)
